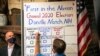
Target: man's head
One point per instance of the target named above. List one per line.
(9, 37)
(59, 46)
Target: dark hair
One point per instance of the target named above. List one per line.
(59, 46)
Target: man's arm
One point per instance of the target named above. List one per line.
(37, 43)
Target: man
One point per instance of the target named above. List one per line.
(59, 46)
(11, 49)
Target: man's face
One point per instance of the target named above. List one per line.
(9, 35)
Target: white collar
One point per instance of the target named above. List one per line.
(11, 46)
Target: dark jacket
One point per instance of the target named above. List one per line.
(16, 51)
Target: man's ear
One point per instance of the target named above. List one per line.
(5, 37)
(53, 50)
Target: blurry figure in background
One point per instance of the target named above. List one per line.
(11, 49)
(59, 46)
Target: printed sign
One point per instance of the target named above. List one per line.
(52, 20)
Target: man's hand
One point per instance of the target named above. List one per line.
(37, 35)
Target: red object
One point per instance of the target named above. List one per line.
(83, 28)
